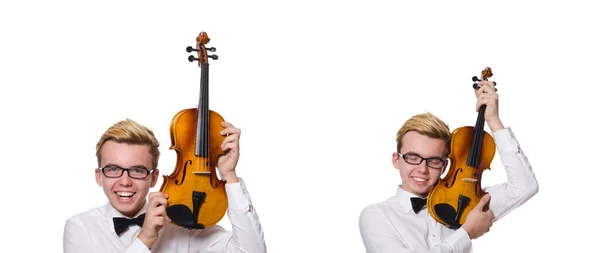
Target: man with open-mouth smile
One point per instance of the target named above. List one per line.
(127, 168)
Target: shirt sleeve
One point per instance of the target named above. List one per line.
(137, 246)
(521, 182)
(247, 234)
(75, 239)
(379, 236)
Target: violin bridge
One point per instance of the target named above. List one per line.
(471, 180)
(202, 173)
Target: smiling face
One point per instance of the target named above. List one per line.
(419, 179)
(129, 145)
(126, 194)
(427, 136)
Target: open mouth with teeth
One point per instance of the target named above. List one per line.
(420, 180)
(125, 195)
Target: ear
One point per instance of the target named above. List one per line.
(154, 178)
(98, 177)
(395, 160)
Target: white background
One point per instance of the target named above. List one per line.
(319, 89)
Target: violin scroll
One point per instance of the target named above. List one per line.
(203, 56)
(485, 75)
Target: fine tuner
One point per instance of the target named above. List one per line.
(191, 58)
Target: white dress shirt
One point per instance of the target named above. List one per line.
(93, 231)
(392, 225)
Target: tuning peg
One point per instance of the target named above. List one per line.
(475, 79)
(191, 58)
(189, 49)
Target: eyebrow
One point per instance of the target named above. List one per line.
(414, 153)
(139, 166)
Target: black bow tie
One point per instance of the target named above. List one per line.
(122, 223)
(418, 204)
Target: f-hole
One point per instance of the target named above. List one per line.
(184, 169)
(454, 179)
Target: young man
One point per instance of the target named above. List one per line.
(127, 169)
(423, 144)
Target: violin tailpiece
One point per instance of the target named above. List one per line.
(181, 215)
(449, 215)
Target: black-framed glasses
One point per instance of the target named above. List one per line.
(114, 171)
(432, 162)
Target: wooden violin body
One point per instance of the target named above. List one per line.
(197, 198)
(472, 151)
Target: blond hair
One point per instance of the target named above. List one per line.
(426, 124)
(130, 132)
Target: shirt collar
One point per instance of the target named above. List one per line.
(110, 212)
(403, 197)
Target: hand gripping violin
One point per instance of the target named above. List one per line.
(197, 197)
(472, 150)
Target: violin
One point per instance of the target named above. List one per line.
(472, 150)
(197, 197)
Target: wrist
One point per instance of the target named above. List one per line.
(146, 240)
(468, 229)
(230, 177)
(495, 124)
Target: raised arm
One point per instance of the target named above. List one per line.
(246, 234)
(521, 183)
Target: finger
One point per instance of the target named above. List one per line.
(479, 91)
(485, 87)
(230, 139)
(158, 194)
(484, 200)
(231, 130)
(159, 222)
(158, 200)
(226, 124)
(162, 201)
(160, 211)
(488, 87)
(480, 101)
(231, 147)
(155, 212)
(486, 99)
(487, 83)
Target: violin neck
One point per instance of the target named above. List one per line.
(477, 140)
(203, 114)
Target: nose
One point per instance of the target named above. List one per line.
(422, 168)
(125, 180)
